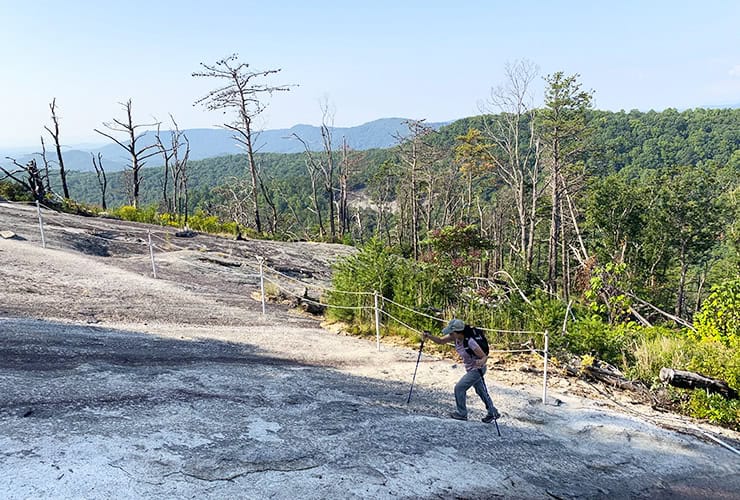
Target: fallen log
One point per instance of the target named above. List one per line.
(690, 380)
(612, 378)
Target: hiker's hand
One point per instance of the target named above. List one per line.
(425, 334)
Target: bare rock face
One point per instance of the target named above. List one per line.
(114, 383)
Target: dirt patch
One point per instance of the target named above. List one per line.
(113, 383)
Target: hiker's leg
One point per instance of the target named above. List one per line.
(465, 383)
(482, 391)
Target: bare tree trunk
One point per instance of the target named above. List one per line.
(46, 165)
(328, 172)
(552, 252)
(102, 179)
(55, 135)
(680, 294)
(564, 254)
(344, 189)
(271, 204)
(253, 173)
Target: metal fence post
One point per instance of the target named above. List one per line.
(41, 224)
(151, 254)
(262, 283)
(377, 319)
(544, 372)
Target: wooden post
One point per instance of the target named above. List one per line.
(41, 224)
(151, 254)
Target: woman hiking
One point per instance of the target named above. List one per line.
(471, 345)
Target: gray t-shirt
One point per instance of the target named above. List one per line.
(468, 360)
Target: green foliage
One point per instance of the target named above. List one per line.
(370, 270)
(656, 348)
(604, 295)
(715, 408)
(72, 207)
(13, 191)
(716, 360)
(719, 318)
(611, 343)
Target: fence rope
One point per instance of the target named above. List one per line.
(385, 299)
(386, 313)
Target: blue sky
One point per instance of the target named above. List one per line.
(413, 59)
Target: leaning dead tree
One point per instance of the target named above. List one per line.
(241, 94)
(55, 135)
(137, 153)
(28, 176)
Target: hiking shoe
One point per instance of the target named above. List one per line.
(457, 416)
(491, 417)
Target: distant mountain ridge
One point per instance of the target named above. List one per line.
(212, 142)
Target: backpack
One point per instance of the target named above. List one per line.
(477, 335)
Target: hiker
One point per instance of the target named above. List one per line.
(474, 356)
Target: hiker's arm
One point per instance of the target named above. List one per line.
(480, 357)
(438, 340)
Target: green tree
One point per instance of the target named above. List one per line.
(563, 126)
(688, 218)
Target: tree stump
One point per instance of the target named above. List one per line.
(690, 380)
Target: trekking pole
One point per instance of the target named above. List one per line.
(417, 367)
(485, 387)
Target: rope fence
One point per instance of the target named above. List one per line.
(273, 276)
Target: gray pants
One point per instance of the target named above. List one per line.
(473, 379)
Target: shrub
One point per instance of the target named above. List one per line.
(719, 318)
(356, 276)
(655, 348)
(14, 192)
(611, 343)
(714, 408)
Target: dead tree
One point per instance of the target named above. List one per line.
(511, 149)
(102, 179)
(324, 165)
(28, 176)
(346, 169)
(137, 154)
(55, 135)
(171, 159)
(413, 154)
(180, 173)
(328, 171)
(313, 166)
(242, 95)
(46, 165)
(167, 154)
